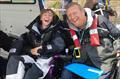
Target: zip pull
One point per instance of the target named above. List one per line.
(66, 51)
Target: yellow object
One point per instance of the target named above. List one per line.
(106, 4)
(76, 52)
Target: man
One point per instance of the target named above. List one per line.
(95, 34)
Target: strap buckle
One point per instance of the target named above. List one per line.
(76, 52)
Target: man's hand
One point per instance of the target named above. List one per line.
(34, 51)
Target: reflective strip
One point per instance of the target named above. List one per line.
(95, 71)
(49, 47)
(93, 31)
(12, 50)
(74, 37)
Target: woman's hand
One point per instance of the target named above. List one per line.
(34, 51)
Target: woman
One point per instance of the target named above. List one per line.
(39, 45)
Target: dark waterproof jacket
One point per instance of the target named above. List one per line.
(5, 41)
(50, 39)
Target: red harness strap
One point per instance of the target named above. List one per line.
(94, 37)
(77, 45)
(75, 38)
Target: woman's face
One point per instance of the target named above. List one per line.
(46, 19)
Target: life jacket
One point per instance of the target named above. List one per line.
(76, 52)
(94, 36)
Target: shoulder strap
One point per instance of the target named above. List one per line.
(75, 38)
(77, 44)
(94, 36)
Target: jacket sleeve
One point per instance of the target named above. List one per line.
(5, 41)
(26, 43)
(56, 45)
(115, 32)
(20, 46)
(16, 46)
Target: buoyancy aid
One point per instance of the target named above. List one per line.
(94, 36)
(77, 44)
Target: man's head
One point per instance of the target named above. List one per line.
(76, 15)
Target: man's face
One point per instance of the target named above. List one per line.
(76, 17)
(46, 18)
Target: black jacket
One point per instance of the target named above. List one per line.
(5, 41)
(49, 38)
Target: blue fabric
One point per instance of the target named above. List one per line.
(84, 71)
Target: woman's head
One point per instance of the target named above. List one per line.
(46, 18)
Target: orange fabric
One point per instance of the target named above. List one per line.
(76, 40)
(94, 36)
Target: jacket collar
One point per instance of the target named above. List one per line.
(89, 20)
(89, 17)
